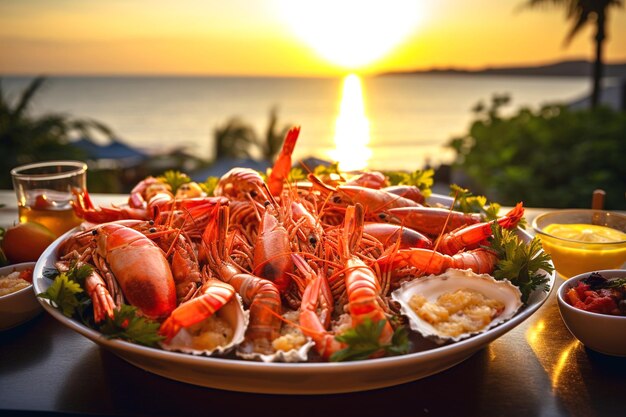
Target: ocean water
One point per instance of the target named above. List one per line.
(408, 119)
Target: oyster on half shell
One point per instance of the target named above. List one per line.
(216, 335)
(501, 298)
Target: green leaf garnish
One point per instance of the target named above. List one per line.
(63, 294)
(174, 179)
(616, 283)
(209, 185)
(330, 169)
(519, 262)
(79, 273)
(421, 178)
(467, 202)
(364, 340)
(127, 325)
(297, 174)
(491, 213)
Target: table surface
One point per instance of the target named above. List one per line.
(537, 369)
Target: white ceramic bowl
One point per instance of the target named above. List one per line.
(601, 332)
(18, 307)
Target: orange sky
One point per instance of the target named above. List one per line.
(257, 37)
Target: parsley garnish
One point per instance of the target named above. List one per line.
(127, 325)
(67, 294)
(297, 174)
(322, 170)
(364, 340)
(209, 185)
(616, 283)
(63, 293)
(519, 262)
(174, 179)
(421, 178)
(467, 202)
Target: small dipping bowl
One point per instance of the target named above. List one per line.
(603, 333)
(20, 306)
(572, 256)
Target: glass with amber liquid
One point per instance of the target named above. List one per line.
(46, 193)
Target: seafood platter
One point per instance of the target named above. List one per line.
(294, 282)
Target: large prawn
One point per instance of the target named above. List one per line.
(272, 252)
(136, 263)
(431, 221)
(471, 236)
(316, 297)
(428, 261)
(362, 288)
(282, 166)
(259, 295)
(214, 294)
(371, 199)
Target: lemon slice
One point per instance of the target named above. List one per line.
(589, 233)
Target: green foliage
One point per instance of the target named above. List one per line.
(237, 139)
(174, 179)
(68, 294)
(209, 185)
(25, 138)
(128, 325)
(553, 157)
(519, 262)
(422, 179)
(63, 293)
(583, 13)
(467, 202)
(364, 340)
(323, 170)
(234, 139)
(297, 174)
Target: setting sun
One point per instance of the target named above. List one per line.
(352, 129)
(352, 33)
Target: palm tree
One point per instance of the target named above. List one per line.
(583, 12)
(233, 140)
(274, 137)
(25, 139)
(236, 138)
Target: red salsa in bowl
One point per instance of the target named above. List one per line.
(598, 294)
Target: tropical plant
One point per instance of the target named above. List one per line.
(25, 138)
(274, 137)
(551, 157)
(237, 139)
(582, 13)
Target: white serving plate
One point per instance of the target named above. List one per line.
(289, 378)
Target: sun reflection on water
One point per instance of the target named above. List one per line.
(352, 128)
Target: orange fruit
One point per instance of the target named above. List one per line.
(25, 242)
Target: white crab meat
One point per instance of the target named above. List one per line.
(457, 304)
(215, 335)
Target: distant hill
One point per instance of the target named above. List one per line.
(575, 68)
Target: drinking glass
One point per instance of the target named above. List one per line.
(47, 191)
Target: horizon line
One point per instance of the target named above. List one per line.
(434, 69)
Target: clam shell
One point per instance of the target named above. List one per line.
(233, 313)
(433, 286)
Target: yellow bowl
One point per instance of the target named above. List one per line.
(597, 239)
